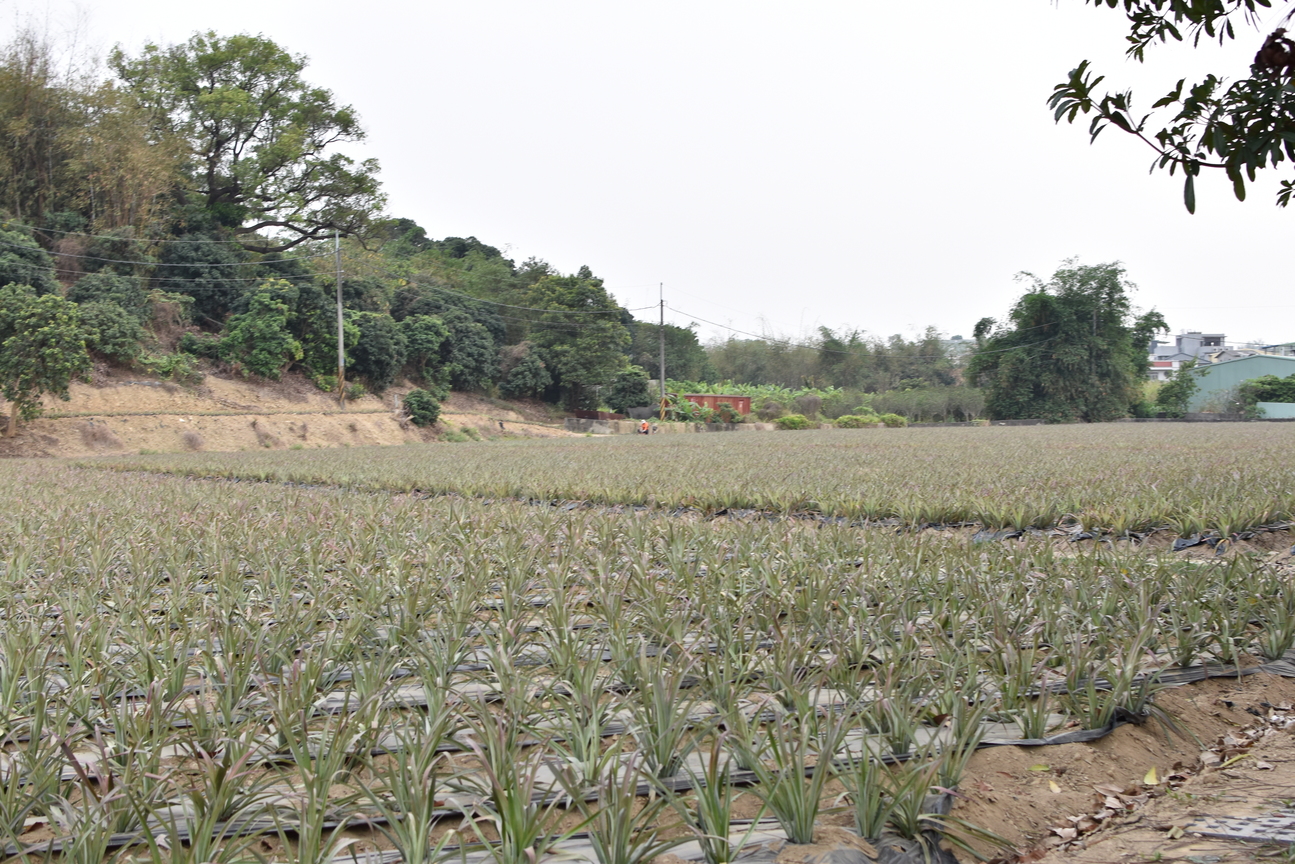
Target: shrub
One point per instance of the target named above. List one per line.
(179, 367)
(423, 408)
(1175, 395)
(794, 421)
(528, 378)
(728, 414)
(857, 421)
(200, 345)
(126, 292)
(770, 410)
(629, 389)
(690, 412)
(259, 340)
(893, 421)
(355, 390)
(111, 331)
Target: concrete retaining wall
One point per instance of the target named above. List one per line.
(631, 427)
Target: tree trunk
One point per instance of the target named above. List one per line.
(13, 420)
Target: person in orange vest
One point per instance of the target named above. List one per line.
(644, 428)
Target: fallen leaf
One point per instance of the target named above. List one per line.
(1066, 833)
(1056, 790)
(1040, 767)
(1208, 757)
(1150, 779)
(1113, 803)
(1174, 832)
(1263, 766)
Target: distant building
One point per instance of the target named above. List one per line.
(1217, 380)
(740, 404)
(1167, 357)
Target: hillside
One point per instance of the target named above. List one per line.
(124, 412)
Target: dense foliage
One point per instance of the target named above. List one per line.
(42, 348)
(1265, 388)
(1072, 349)
(423, 408)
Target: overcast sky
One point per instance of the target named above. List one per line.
(778, 166)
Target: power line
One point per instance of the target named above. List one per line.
(108, 236)
(158, 264)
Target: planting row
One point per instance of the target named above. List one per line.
(1116, 478)
(182, 660)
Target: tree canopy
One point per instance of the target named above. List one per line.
(1240, 127)
(1071, 349)
(42, 348)
(258, 137)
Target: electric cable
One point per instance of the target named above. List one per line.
(159, 264)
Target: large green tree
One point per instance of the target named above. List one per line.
(580, 336)
(42, 348)
(1071, 349)
(685, 357)
(378, 354)
(1238, 128)
(260, 139)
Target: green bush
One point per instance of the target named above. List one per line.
(528, 378)
(355, 390)
(111, 331)
(125, 291)
(423, 408)
(179, 367)
(728, 414)
(1175, 395)
(893, 421)
(794, 421)
(629, 389)
(690, 412)
(857, 421)
(327, 383)
(259, 341)
(200, 345)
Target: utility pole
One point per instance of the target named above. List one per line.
(1092, 354)
(661, 333)
(341, 344)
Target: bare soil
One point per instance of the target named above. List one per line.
(120, 412)
(1055, 804)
